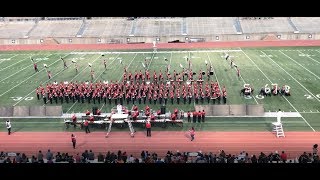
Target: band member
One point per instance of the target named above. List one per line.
(66, 96)
(197, 98)
(92, 75)
(231, 64)
(105, 64)
(74, 120)
(76, 67)
(64, 63)
(194, 115)
(98, 112)
(144, 96)
(203, 114)
(190, 98)
(86, 126)
(227, 56)
(35, 66)
(87, 112)
(199, 116)
(238, 73)
(56, 97)
(38, 93)
(73, 97)
(49, 74)
(189, 116)
(171, 97)
(104, 97)
(165, 98)
(44, 98)
(224, 97)
(61, 97)
(50, 98)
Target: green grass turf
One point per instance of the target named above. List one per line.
(297, 67)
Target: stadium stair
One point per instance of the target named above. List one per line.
(82, 28)
(33, 27)
(133, 28)
(237, 24)
(184, 26)
(293, 25)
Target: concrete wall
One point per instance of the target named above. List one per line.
(138, 39)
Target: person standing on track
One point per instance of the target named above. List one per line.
(73, 140)
(86, 126)
(8, 125)
(148, 126)
(192, 133)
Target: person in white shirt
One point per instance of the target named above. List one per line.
(279, 115)
(8, 125)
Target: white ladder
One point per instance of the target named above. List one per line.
(131, 128)
(279, 130)
(109, 129)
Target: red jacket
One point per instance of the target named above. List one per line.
(148, 125)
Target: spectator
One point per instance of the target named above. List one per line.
(283, 157)
(24, 158)
(34, 159)
(254, 159)
(40, 157)
(78, 158)
(18, 158)
(315, 149)
(100, 157)
(49, 155)
(91, 155)
(131, 159)
(58, 157)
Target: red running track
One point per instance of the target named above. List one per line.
(295, 143)
(227, 44)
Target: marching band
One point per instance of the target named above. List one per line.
(137, 88)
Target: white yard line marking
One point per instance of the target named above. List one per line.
(25, 80)
(12, 64)
(271, 83)
(44, 82)
(106, 68)
(87, 66)
(214, 72)
(246, 83)
(293, 78)
(310, 58)
(300, 65)
(154, 53)
(19, 71)
(76, 76)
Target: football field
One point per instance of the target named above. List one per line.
(297, 67)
